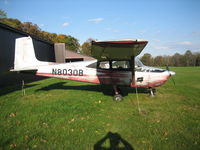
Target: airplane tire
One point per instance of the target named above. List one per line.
(117, 97)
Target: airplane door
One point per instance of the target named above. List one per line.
(114, 72)
(121, 74)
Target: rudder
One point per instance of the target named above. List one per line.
(25, 58)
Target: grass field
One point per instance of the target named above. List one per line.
(59, 114)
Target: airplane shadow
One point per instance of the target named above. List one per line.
(105, 89)
(116, 142)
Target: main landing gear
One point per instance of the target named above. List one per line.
(152, 91)
(117, 93)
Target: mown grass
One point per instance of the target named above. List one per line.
(59, 114)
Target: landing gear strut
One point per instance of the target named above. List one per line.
(117, 93)
(152, 91)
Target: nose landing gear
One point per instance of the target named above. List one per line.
(117, 93)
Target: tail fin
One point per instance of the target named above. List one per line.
(25, 55)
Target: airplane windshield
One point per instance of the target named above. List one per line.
(138, 63)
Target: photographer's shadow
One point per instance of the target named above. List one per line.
(116, 143)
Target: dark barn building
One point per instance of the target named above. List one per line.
(44, 51)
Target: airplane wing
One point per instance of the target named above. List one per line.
(117, 49)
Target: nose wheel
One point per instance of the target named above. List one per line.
(117, 93)
(117, 97)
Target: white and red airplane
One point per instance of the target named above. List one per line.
(116, 65)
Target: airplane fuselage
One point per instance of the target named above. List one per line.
(85, 72)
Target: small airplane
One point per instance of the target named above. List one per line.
(116, 64)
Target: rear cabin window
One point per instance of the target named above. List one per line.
(104, 65)
(120, 64)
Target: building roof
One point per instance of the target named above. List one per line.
(73, 55)
(7, 27)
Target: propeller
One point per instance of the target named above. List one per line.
(171, 73)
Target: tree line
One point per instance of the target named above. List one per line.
(186, 59)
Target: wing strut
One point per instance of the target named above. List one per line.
(133, 69)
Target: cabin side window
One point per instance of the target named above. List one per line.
(104, 65)
(121, 64)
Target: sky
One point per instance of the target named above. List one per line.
(170, 26)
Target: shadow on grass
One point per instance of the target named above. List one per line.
(13, 88)
(12, 81)
(116, 142)
(105, 89)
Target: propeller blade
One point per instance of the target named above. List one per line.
(173, 80)
(171, 73)
(167, 67)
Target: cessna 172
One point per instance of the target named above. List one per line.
(116, 65)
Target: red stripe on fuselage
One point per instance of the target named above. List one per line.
(104, 79)
(98, 75)
(120, 42)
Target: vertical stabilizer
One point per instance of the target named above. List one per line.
(25, 58)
